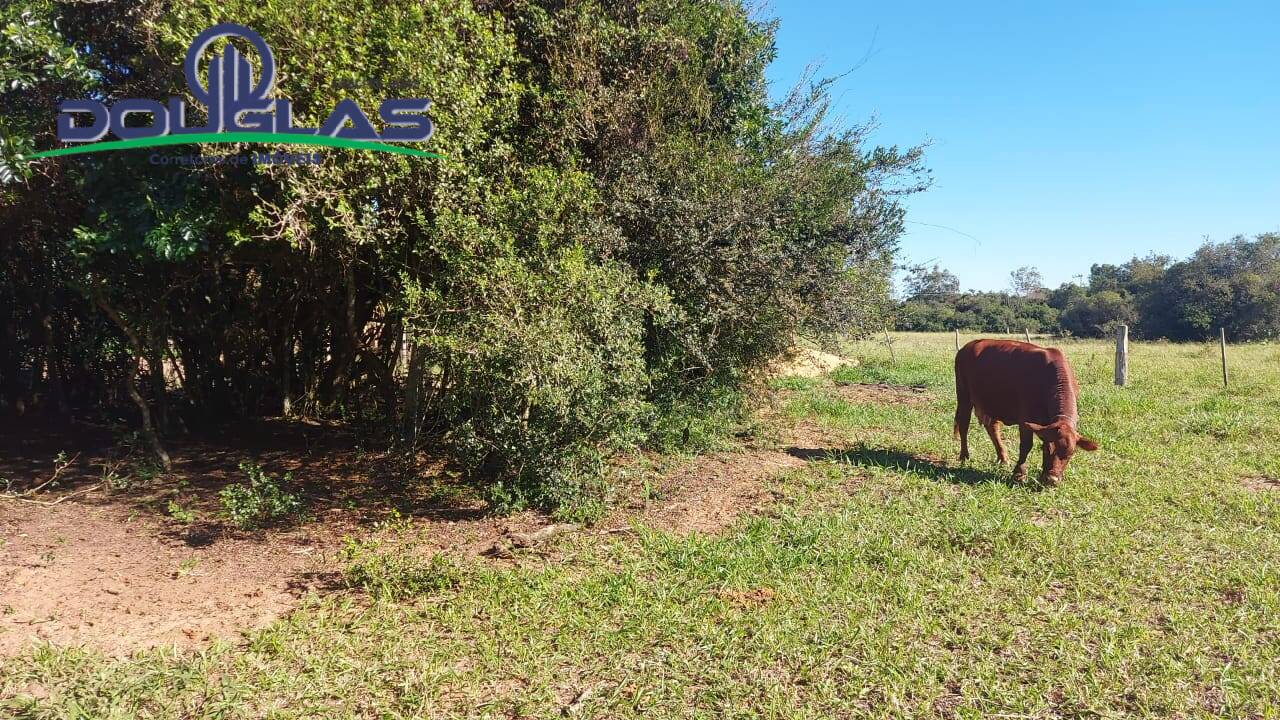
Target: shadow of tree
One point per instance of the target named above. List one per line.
(906, 462)
(332, 471)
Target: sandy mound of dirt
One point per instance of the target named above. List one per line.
(805, 362)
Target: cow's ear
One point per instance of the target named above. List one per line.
(1085, 443)
(1047, 433)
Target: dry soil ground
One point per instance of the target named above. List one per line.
(85, 562)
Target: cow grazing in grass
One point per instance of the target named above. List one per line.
(1021, 384)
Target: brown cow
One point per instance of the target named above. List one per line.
(1021, 384)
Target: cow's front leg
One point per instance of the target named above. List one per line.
(1026, 439)
(993, 429)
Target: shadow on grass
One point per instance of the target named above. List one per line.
(906, 462)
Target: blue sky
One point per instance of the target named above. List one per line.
(1060, 134)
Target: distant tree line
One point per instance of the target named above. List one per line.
(623, 224)
(1233, 285)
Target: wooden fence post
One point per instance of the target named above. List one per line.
(957, 339)
(1027, 333)
(1222, 345)
(893, 357)
(1122, 355)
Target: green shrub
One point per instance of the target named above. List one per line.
(545, 377)
(260, 502)
(621, 217)
(180, 514)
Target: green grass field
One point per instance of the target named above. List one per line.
(886, 582)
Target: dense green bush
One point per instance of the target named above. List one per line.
(698, 420)
(623, 223)
(544, 373)
(981, 312)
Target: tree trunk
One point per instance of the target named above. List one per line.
(285, 360)
(350, 343)
(9, 364)
(52, 363)
(159, 387)
(131, 379)
(412, 419)
(286, 379)
(148, 430)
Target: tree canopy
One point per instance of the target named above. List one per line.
(1233, 285)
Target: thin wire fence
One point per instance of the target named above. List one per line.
(953, 341)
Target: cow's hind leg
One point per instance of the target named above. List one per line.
(993, 429)
(1026, 439)
(964, 411)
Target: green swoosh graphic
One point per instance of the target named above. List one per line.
(235, 137)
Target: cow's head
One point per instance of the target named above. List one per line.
(1060, 442)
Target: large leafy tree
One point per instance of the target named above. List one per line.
(1026, 282)
(621, 219)
(923, 282)
(1234, 285)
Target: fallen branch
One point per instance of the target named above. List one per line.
(58, 468)
(514, 541)
(50, 503)
(523, 540)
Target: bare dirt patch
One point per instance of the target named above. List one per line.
(1261, 483)
(883, 393)
(748, 598)
(74, 574)
(109, 569)
(710, 492)
(117, 579)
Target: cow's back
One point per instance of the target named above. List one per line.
(1015, 382)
